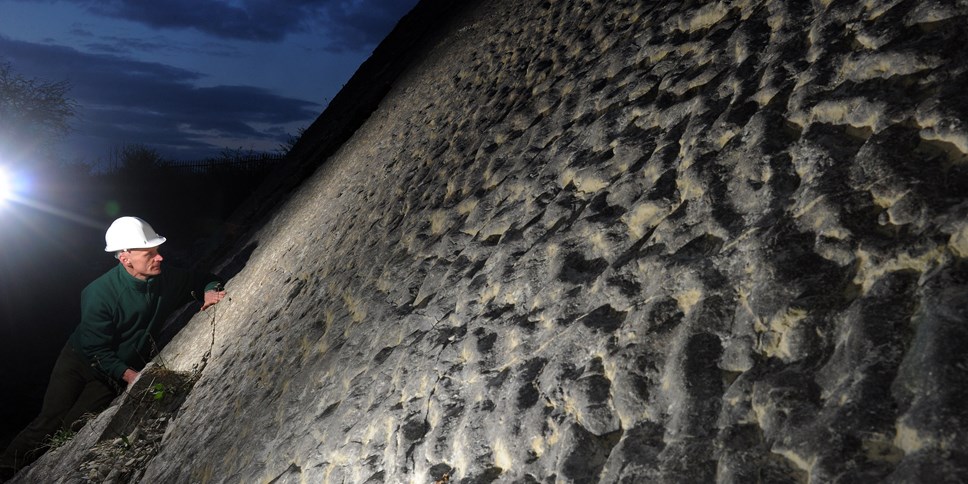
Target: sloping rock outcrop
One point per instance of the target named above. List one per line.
(116, 445)
(614, 241)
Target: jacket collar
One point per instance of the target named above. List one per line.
(132, 282)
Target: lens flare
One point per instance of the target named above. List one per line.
(6, 185)
(16, 191)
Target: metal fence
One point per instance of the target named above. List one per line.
(243, 163)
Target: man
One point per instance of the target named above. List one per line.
(121, 314)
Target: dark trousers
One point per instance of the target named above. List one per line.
(75, 389)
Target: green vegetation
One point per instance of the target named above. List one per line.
(60, 438)
(158, 391)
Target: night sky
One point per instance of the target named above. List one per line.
(192, 78)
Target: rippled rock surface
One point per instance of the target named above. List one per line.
(615, 241)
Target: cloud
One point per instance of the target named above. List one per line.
(81, 32)
(124, 101)
(362, 22)
(253, 20)
(113, 44)
(348, 24)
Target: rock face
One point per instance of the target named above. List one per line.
(116, 445)
(614, 241)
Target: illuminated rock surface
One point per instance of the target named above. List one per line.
(614, 241)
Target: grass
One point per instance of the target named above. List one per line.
(60, 438)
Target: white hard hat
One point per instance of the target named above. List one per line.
(131, 233)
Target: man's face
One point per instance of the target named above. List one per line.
(141, 263)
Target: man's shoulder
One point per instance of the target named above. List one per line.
(107, 282)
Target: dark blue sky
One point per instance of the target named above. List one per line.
(192, 78)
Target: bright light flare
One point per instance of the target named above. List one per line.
(16, 187)
(6, 185)
(13, 186)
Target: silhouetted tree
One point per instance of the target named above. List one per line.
(33, 114)
(291, 141)
(137, 159)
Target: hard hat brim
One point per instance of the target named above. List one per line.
(155, 242)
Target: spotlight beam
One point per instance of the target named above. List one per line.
(9, 194)
(6, 185)
(44, 207)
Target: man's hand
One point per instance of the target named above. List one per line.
(212, 298)
(130, 376)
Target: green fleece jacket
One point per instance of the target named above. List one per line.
(121, 315)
